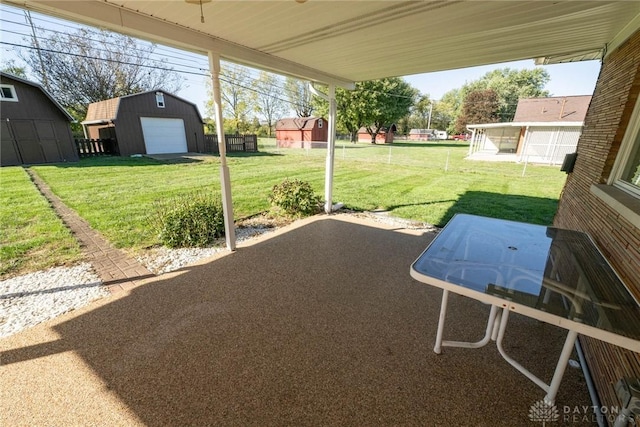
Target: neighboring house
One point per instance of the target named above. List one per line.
(384, 136)
(602, 197)
(153, 122)
(35, 128)
(302, 132)
(544, 130)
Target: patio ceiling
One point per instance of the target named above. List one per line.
(342, 42)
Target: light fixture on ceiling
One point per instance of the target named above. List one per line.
(200, 3)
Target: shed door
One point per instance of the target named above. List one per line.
(164, 135)
(9, 154)
(26, 137)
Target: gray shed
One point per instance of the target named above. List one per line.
(34, 127)
(151, 122)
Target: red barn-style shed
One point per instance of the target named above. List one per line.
(384, 136)
(302, 132)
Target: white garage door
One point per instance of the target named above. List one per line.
(164, 135)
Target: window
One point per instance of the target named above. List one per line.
(319, 123)
(622, 191)
(160, 99)
(8, 93)
(626, 170)
(631, 173)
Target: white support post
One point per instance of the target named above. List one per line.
(331, 142)
(225, 181)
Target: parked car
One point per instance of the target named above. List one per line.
(461, 137)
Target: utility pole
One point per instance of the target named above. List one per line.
(43, 71)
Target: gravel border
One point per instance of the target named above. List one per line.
(33, 298)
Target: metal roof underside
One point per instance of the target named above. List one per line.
(342, 42)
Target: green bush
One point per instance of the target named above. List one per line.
(193, 220)
(294, 198)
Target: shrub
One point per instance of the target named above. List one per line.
(294, 198)
(192, 220)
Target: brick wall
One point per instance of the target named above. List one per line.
(607, 119)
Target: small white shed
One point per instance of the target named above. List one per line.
(543, 130)
(534, 142)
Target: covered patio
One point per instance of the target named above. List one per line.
(273, 334)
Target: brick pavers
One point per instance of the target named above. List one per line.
(117, 270)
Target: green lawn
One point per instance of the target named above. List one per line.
(32, 237)
(117, 195)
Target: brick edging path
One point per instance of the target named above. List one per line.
(117, 270)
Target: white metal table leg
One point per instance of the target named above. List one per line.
(494, 314)
(567, 349)
(443, 312)
(551, 389)
(513, 362)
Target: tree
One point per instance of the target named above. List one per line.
(236, 96)
(373, 104)
(300, 96)
(480, 106)
(266, 98)
(421, 113)
(450, 107)
(93, 65)
(378, 104)
(11, 68)
(510, 85)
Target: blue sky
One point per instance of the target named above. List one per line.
(566, 79)
(578, 78)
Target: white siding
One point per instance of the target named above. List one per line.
(550, 145)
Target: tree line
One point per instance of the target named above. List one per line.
(90, 65)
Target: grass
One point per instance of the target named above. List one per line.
(423, 181)
(32, 237)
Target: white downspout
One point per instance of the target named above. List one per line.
(525, 144)
(225, 181)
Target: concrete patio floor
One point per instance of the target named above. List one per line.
(316, 324)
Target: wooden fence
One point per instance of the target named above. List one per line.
(234, 143)
(97, 147)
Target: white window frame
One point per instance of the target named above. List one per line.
(619, 195)
(320, 123)
(631, 137)
(12, 89)
(160, 103)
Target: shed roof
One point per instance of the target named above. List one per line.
(297, 123)
(36, 85)
(553, 109)
(107, 110)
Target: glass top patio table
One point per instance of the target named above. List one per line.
(555, 275)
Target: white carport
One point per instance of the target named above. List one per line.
(532, 142)
(332, 43)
